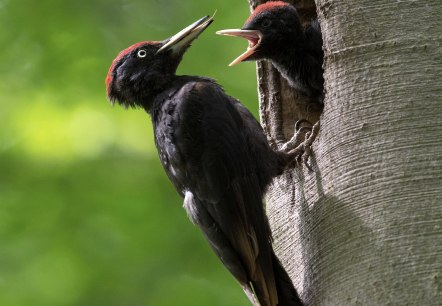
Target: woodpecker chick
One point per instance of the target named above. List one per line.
(216, 155)
(275, 33)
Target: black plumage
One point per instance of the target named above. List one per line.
(275, 33)
(216, 155)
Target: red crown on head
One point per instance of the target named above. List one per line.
(267, 6)
(120, 55)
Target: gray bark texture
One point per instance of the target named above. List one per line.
(365, 227)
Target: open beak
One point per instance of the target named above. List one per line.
(184, 38)
(254, 38)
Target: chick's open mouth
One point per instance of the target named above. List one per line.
(253, 37)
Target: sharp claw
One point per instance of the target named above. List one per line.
(309, 139)
(301, 121)
(303, 147)
(307, 151)
(297, 139)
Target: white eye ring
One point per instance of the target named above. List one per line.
(141, 53)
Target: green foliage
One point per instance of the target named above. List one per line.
(87, 215)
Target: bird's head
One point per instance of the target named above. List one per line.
(272, 27)
(143, 69)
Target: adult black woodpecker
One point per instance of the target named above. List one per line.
(275, 33)
(216, 155)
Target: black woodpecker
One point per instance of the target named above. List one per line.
(216, 155)
(275, 33)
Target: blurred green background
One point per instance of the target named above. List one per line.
(87, 215)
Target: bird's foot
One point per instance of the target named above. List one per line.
(299, 135)
(299, 147)
(309, 139)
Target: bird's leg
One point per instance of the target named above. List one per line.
(296, 140)
(294, 148)
(309, 139)
(303, 149)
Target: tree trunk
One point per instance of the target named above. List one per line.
(365, 227)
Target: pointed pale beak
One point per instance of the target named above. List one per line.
(184, 38)
(253, 36)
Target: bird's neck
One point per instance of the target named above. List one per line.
(154, 88)
(289, 58)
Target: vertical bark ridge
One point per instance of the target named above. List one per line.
(365, 227)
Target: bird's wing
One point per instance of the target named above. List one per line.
(213, 140)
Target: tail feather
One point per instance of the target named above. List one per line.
(285, 291)
(287, 295)
(250, 294)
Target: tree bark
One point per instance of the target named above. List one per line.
(365, 227)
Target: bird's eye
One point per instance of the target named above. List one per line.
(141, 53)
(266, 23)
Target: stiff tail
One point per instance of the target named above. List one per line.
(287, 295)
